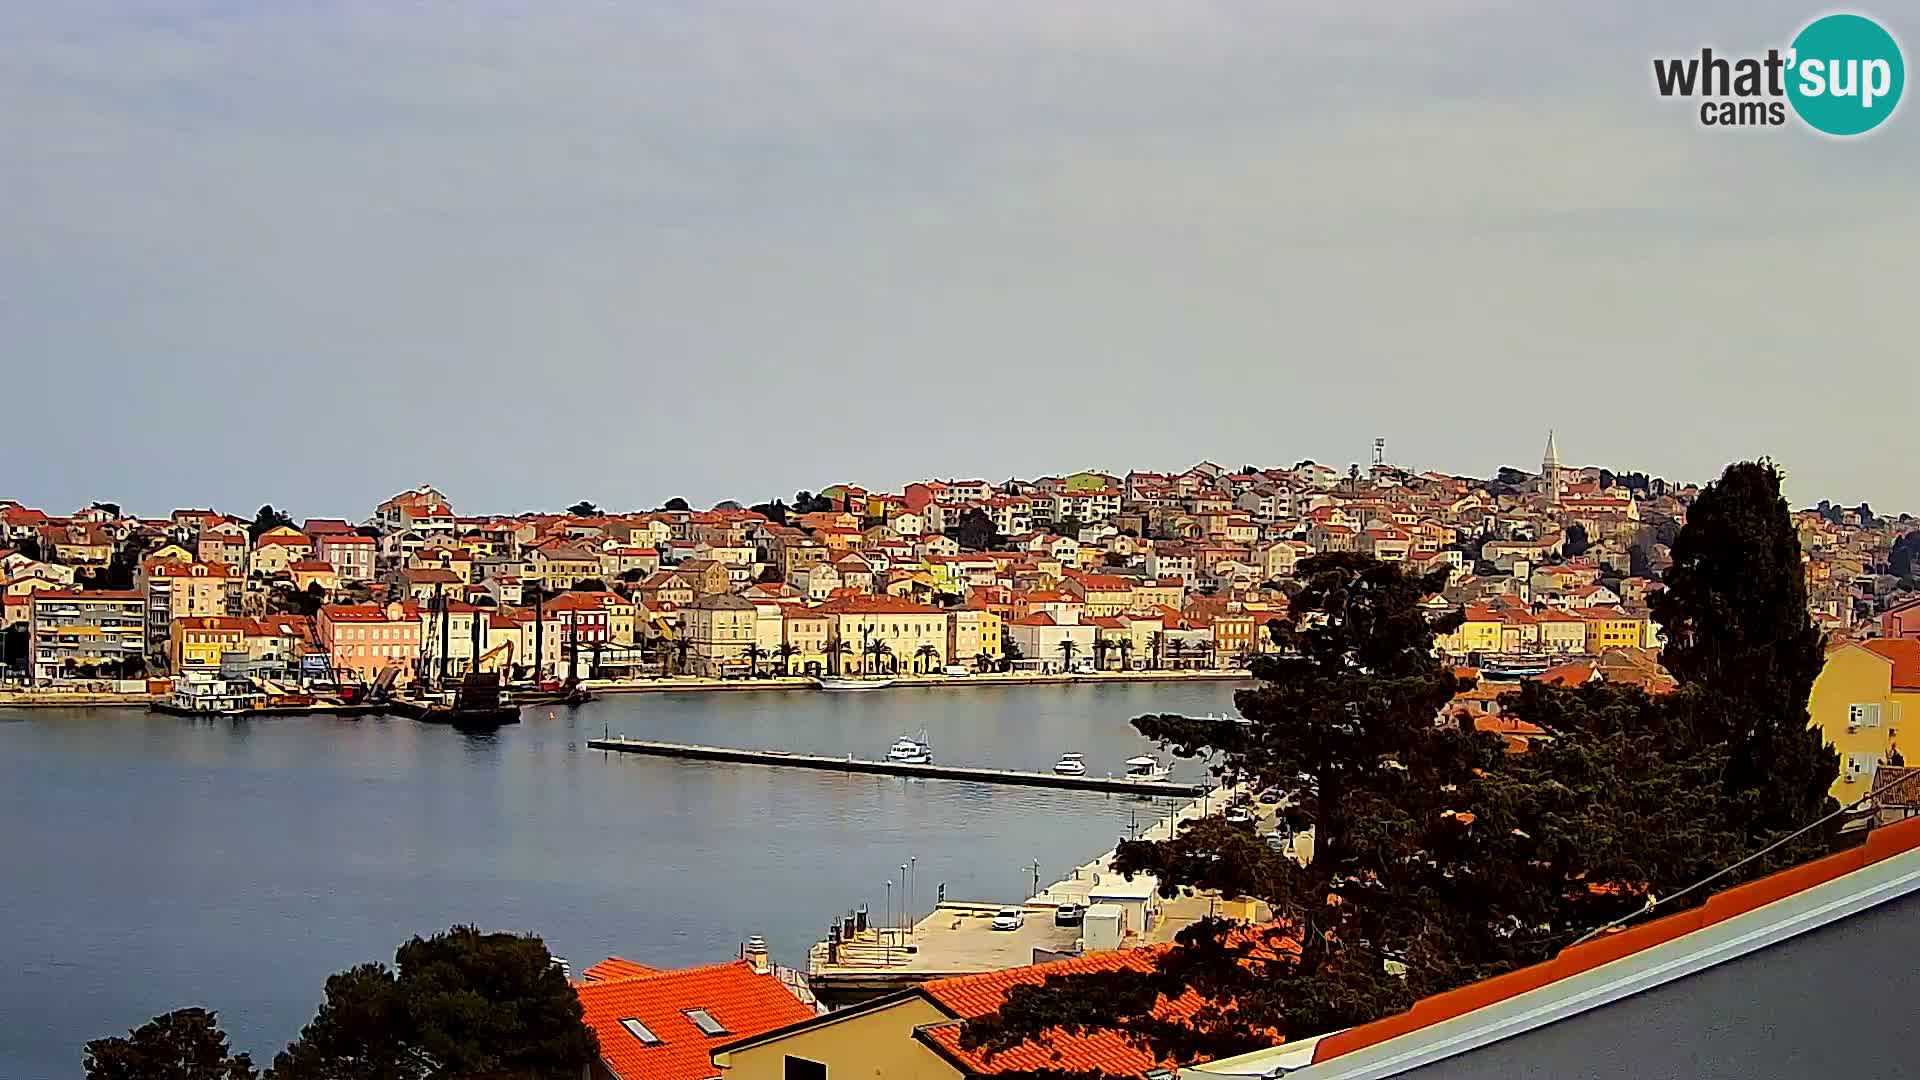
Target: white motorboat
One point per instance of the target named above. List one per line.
(908, 750)
(852, 684)
(1147, 769)
(1071, 765)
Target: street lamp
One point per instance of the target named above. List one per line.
(885, 940)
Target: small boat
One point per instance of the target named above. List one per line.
(1221, 718)
(852, 684)
(1147, 769)
(1071, 765)
(911, 751)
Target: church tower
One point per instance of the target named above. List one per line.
(1550, 471)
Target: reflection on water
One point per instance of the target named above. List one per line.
(151, 862)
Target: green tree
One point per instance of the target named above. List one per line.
(267, 519)
(928, 656)
(1067, 649)
(1745, 651)
(785, 652)
(975, 531)
(185, 1044)
(1349, 704)
(461, 1003)
(583, 508)
(1901, 559)
(1576, 543)
(676, 503)
(775, 511)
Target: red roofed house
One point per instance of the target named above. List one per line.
(665, 1025)
(361, 640)
(915, 1034)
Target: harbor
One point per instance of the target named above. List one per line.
(1094, 907)
(1113, 785)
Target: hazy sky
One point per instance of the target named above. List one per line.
(313, 251)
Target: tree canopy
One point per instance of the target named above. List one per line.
(1436, 853)
(460, 1003)
(676, 503)
(265, 520)
(975, 531)
(185, 1044)
(1576, 543)
(583, 508)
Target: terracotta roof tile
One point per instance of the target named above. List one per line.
(745, 1004)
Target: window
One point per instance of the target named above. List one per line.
(640, 1031)
(704, 1020)
(1863, 715)
(802, 1069)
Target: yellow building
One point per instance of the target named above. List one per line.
(872, 1041)
(1858, 701)
(1611, 628)
(199, 642)
(1479, 633)
(904, 627)
(972, 633)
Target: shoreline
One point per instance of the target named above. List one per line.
(687, 684)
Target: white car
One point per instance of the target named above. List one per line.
(956, 671)
(1009, 918)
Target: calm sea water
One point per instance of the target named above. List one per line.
(150, 862)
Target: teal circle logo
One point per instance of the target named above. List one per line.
(1846, 75)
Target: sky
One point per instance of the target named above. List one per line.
(313, 252)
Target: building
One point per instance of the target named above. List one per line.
(974, 637)
(86, 635)
(666, 1025)
(1859, 701)
(350, 554)
(908, 636)
(1052, 642)
(179, 590)
(362, 640)
(202, 642)
(1785, 977)
(719, 629)
(276, 549)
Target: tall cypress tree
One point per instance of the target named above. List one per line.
(1745, 650)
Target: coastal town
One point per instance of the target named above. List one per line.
(1550, 576)
(1083, 575)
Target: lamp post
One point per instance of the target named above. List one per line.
(888, 942)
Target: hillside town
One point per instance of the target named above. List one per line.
(1089, 573)
(1085, 572)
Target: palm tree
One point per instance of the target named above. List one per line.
(928, 656)
(1100, 646)
(754, 654)
(882, 651)
(1125, 645)
(1067, 649)
(983, 661)
(680, 650)
(837, 649)
(1157, 650)
(1174, 651)
(786, 652)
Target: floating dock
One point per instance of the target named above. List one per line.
(1109, 784)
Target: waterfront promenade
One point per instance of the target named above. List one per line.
(53, 698)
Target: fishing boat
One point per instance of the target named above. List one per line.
(1147, 769)
(1071, 765)
(847, 685)
(908, 750)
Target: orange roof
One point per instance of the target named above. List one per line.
(878, 605)
(614, 967)
(1882, 843)
(743, 1003)
(1106, 1052)
(1905, 654)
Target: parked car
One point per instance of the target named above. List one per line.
(1009, 918)
(1069, 915)
(1270, 796)
(956, 671)
(1279, 840)
(1239, 815)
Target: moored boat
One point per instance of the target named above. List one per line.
(1071, 765)
(1147, 769)
(908, 750)
(844, 685)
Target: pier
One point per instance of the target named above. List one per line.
(1118, 785)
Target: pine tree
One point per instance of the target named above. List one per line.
(1345, 716)
(1745, 650)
